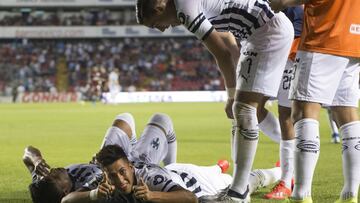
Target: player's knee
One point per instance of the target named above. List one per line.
(162, 121)
(246, 120)
(126, 122)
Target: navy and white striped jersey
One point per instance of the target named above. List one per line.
(86, 176)
(155, 177)
(240, 17)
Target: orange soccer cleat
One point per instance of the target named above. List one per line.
(224, 165)
(280, 191)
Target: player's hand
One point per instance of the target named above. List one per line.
(105, 189)
(228, 108)
(41, 168)
(141, 191)
(277, 5)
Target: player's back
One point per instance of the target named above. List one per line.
(84, 175)
(332, 27)
(241, 17)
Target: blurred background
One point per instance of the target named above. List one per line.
(89, 47)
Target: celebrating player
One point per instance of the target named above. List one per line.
(75, 182)
(327, 72)
(265, 38)
(175, 182)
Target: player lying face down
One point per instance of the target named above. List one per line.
(72, 184)
(124, 176)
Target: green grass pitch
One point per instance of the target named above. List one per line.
(72, 133)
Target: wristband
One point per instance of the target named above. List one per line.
(93, 194)
(230, 92)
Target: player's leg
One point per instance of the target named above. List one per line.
(157, 142)
(335, 138)
(122, 132)
(345, 113)
(260, 178)
(282, 190)
(262, 62)
(268, 123)
(315, 83)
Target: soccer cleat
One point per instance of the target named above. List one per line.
(240, 198)
(350, 200)
(306, 200)
(280, 191)
(224, 165)
(335, 138)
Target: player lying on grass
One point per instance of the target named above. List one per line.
(151, 182)
(82, 182)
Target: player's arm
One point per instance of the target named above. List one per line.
(34, 161)
(175, 195)
(83, 195)
(224, 48)
(223, 56)
(279, 5)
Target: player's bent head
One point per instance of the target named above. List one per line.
(144, 9)
(117, 168)
(51, 188)
(46, 190)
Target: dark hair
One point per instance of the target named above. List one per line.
(144, 9)
(45, 191)
(109, 154)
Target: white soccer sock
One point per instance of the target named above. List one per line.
(333, 126)
(287, 161)
(306, 155)
(245, 144)
(270, 126)
(165, 123)
(129, 119)
(351, 159)
(263, 177)
(171, 154)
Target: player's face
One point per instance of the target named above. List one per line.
(121, 175)
(62, 179)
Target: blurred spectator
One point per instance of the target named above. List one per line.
(86, 17)
(140, 64)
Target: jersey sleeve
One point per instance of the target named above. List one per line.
(191, 15)
(157, 178)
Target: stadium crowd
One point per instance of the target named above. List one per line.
(85, 17)
(73, 65)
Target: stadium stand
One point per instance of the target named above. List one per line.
(40, 63)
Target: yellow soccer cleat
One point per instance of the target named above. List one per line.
(350, 200)
(306, 200)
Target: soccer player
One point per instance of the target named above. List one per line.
(282, 190)
(150, 182)
(327, 72)
(75, 182)
(265, 38)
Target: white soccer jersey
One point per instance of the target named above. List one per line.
(155, 177)
(240, 17)
(84, 176)
(200, 180)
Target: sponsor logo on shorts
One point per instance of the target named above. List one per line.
(355, 29)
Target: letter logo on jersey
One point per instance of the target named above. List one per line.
(155, 143)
